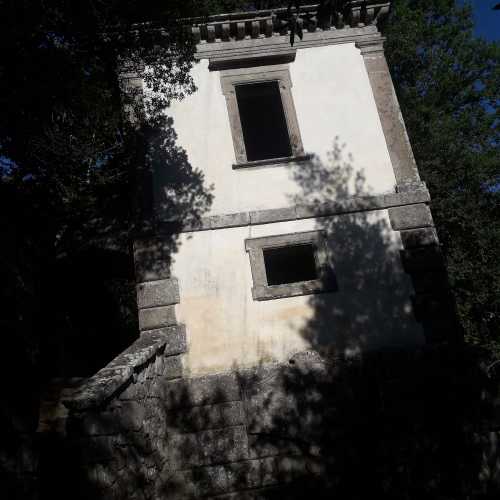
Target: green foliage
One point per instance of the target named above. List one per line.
(448, 85)
(70, 167)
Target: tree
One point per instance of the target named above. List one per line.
(70, 167)
(448, 83)
(70, 164)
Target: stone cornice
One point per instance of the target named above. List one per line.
(278, 47)
(268, 23)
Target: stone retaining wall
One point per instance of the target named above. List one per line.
(390, 424)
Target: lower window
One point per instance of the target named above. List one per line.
(289, 265)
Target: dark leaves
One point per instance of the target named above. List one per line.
(448, 85)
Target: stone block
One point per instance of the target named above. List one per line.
(207, 417)
(185, 393)
(320, 209)
(158, 367)
(211, 480)
(290, 468)
(131, 416)
(214, 389)
(362, 203)
(156, 317)
(243, 475)
(266, 445)
(158, 293)
(424, 236)
(201, 224)
(269, 472)
(100, 476)
(223, 445)
(134, 390)
(306, 211)
(411, 186)
(184, 451)
(172, 367)
(229, 220)
(232, 413)
(176, 340)
(272, 215)
(410, 217)
(175, 485)
(420, 195)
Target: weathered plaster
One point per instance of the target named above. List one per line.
(227, 328)
(332, 97)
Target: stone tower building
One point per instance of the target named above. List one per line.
(315, 193)
(318, 250)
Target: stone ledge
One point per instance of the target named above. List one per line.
(98, 389)
(272, 215)
(272, 162)
(354, 204)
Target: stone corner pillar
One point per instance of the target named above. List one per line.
(391, 119)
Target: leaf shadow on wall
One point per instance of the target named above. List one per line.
(369, 410)
(100, 289)
(399, 423)
(372, 307)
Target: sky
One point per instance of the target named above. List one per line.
(487, 21)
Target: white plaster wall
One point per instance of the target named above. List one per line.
(333, 98)
(226, 328)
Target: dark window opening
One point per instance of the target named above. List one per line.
(290, 264)
(263, 121)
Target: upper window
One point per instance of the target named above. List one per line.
(262, 115)
(289, 265)
(263, 121)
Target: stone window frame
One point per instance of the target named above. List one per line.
(280, 73)
(325, 282)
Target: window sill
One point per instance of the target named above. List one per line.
(271, 292)
(271, 162)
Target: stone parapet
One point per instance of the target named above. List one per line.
(302, 428)
(137, 361)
